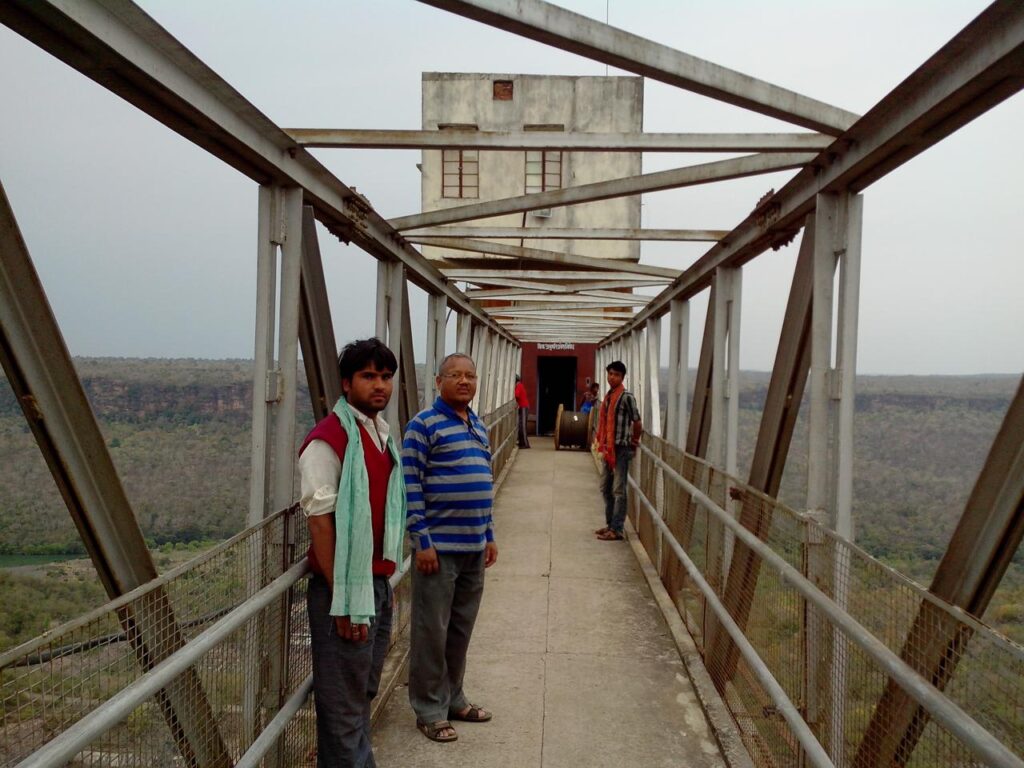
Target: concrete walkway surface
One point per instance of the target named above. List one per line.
(570, 651)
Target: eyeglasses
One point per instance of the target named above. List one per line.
(470, 377)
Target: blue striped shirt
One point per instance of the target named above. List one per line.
(448, 481)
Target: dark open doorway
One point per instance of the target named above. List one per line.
(556, 384)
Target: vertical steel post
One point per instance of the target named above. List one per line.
(652, 416)
(678, 371)
(390, 286)
(274, 399)
(830, 434)
(463, 334)
(437, 307)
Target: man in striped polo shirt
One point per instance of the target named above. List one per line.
(447, 462)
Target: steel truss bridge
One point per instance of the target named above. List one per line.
(208, 663)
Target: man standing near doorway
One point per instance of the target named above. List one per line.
(447, 461)
(618, 435)
(353, 496)
(523, 406)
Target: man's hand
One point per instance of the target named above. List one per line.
(490, 554)
(427, 562)
(356, 633)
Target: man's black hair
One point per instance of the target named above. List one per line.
(357, 355)
(618, 366)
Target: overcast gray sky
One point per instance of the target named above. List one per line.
(146, 244)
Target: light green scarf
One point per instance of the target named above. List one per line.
(353, 549)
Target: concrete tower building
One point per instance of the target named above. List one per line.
(554, 371)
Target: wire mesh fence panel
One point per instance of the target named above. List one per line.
(846, 696)
(209, 713)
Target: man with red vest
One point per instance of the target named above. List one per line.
(353, 496)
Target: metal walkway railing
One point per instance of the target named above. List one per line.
(226, 632)
(810, 641)
(829, 667)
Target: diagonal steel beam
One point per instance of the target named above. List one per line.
(43, 378)
(778, 420)
(978, 68)
(579, 34)
(346, 138)
(469, 273)
(547, 256)
(568, 233)
(979, 552)
(692, 175)
(316, 330)
(123, 49)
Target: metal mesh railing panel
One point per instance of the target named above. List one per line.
(213, 709)
(857, 713)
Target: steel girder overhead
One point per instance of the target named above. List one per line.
(427, 236)
(978, 68)
(123, 49)
(582, 35)
(566, 142)
(692, 175)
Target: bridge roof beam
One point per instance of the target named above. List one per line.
(688, 176)
(547, 256)
(123, 49)
(427, 236)
(584, 36)
(980, 67)
(517, 141)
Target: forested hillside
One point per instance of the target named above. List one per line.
(179, 433)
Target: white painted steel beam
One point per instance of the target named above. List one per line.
(355, 138)
(566, 233)
(705, 173)
(565, 301)
(123, 49)
(652, 415)
(500, 313)
(436, 326)
(584, 36)
(978, 68)
(678, 372)
(541, 254)
(543, 274)
(463, 335)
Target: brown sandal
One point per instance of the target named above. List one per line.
(599, 531)
(474, 714)
(433, 731)
(610, 535)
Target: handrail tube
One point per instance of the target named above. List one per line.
(8, 657)
(64, 747)
(946, 712)
(815, 752)
(273, 730)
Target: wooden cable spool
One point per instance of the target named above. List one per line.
(571, 429)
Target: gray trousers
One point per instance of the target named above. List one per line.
(444, 609)
(522, 417)
(615, 487)
(346, 677)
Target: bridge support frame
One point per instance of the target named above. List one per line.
(43, 378)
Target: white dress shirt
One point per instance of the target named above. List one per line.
(320, 467)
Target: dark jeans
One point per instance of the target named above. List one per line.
(614, 486)
(346, 676)
(521, 419)
(444, 609)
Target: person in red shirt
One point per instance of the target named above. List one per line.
(523, 402)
